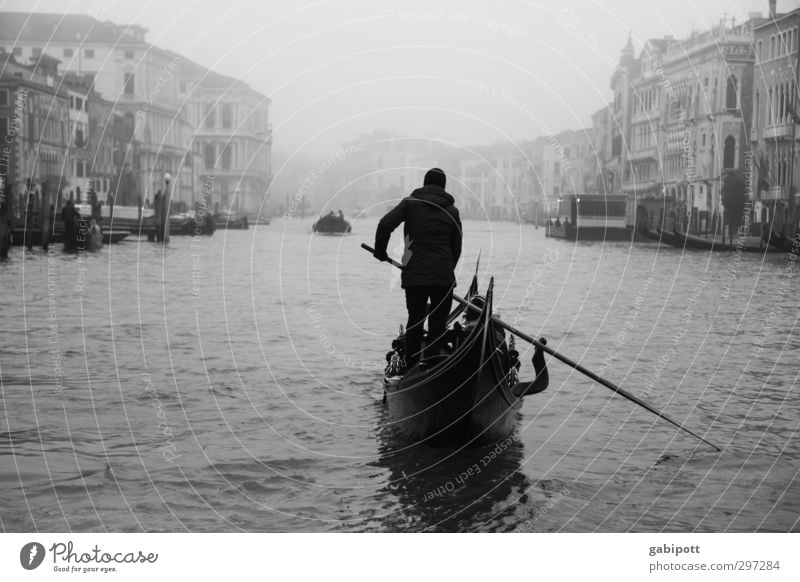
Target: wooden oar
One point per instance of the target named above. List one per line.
(547, 349)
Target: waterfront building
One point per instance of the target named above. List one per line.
(172, 109)
(775, 120)
(34, 129)
(619, 117)
(681, 115)
(231, 140)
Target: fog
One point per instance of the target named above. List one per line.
(469, 73)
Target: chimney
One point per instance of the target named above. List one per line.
(772, 9)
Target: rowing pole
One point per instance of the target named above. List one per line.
(566, 360)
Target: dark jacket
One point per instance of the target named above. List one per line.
(433, 228)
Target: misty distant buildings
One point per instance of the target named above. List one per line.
(133, 112)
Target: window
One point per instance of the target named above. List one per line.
(78, 103)
(760, 51)
(211, 116)
(226, 157)
(79, 169)
(36, 52)
(730, 152)
(130, 88)
(129, 55)
(227, 116)
(68, 52)
(703, 140)
(3, 97)
(88, 53)
(4, 127)
(210, 154)
(772, 47)
(17, 51)
(757, 111)
(731, 96)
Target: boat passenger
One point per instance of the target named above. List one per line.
(433, 246)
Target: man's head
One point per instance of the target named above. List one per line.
(434, 177)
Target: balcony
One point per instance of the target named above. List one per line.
(650, 153)
(777, 193)
(780, 131)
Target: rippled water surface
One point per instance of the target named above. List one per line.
(233, 383)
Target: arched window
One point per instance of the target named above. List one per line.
(758, 110)
(772, 47)
(732, 93)
(728, 158)
(769, 107)
(227, 116)
(760, 51)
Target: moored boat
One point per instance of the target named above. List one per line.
(785, 244)
(232, 221)
(684, 240)
(468, 397)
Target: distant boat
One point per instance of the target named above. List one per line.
(331, 224)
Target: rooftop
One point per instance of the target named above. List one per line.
(61, 28)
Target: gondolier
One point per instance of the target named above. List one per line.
(433, 246)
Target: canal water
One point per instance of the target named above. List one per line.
(233, 383)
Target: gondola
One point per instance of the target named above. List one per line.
(687, 241)
(467, 398)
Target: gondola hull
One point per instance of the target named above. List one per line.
(464, 400)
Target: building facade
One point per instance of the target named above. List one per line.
(34, 129)
(170, 108)
(679, 122)
(231, 140)
(775, 120)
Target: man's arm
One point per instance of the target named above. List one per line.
(386, 226)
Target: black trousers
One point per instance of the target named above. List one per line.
(441, 297)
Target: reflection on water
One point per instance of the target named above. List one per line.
(137, 403)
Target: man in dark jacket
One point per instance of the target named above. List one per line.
(433, 246)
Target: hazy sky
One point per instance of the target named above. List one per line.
(463, 71)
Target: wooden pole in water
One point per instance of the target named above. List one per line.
(545, 348)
